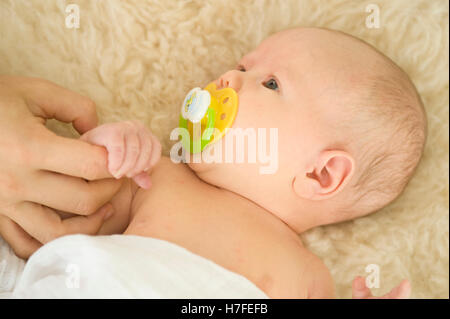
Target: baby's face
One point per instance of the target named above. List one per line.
(289, 82)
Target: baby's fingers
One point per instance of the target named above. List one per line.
(132, 151)
(156, 152)
(143, 180)
(145, 139)
(116, 153)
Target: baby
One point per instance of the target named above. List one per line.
(351, 131)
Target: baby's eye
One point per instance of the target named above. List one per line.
(271, 84)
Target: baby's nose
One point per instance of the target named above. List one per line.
(231, 79)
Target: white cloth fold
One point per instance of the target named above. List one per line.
(126, 266)
(11, 268)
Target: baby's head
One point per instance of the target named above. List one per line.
(351, 127)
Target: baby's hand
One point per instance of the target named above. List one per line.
(132, 149)
(360, 290)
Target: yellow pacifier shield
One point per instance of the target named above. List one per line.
(226, 108)
(215, 111)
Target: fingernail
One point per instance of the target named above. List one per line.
(115, 174)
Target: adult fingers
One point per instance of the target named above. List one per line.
(73, 195)
(70, 157)
(49, 100)
(22, 243)
(44, 224)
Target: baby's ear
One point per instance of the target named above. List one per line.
(326, 177)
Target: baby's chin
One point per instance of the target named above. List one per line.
(212, 172)
(202, 167)
(199, 167)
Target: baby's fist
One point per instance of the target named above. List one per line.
(132, 149)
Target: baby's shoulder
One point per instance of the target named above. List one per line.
(167, 170)
(321, 284)
(303, 275)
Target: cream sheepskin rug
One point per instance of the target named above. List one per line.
(137, 60)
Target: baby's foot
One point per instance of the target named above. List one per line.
(360, 290)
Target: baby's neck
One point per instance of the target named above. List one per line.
(295, 216)
(186, 191)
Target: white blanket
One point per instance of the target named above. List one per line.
(124, 266)
(11, 268)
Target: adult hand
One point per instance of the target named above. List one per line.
(41, 172)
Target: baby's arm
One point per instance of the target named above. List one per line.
(132, 152)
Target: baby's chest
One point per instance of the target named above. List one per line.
(175, 194)
(180, 209)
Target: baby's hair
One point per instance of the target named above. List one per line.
(388, 122)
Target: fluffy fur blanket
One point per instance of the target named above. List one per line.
(137, 59)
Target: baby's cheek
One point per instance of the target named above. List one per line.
(259, 112)
(245, 117)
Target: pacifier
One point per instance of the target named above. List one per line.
(207, 114)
